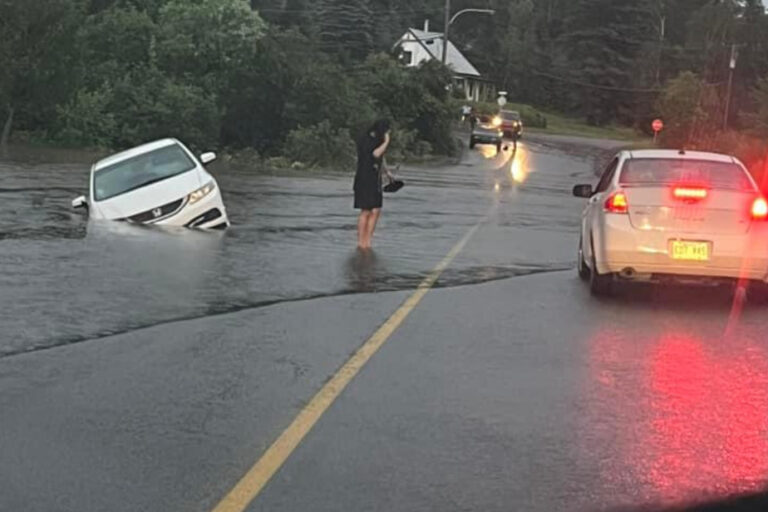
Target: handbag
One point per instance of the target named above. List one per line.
(394, 184)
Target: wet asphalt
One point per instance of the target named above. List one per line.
(148, 370)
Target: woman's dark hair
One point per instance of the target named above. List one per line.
(380, 128)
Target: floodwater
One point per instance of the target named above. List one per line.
(64, 279)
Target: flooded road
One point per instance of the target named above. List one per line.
(64, 280)
(176, 358)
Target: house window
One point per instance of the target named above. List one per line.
(407, 58)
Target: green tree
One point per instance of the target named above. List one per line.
(680, 106)
(758, 120)
(36, 60)
(602, 42)
(346, 28)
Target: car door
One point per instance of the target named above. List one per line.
(593, 210)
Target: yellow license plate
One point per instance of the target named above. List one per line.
(690, 251)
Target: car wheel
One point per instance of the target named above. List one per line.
(600, 285)
(471, 143)
(584, 272)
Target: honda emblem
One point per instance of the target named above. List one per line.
(157, 212)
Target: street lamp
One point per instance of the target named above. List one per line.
(450, 20)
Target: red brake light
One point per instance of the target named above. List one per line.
(617, 203)
(760, 209)
(690, 193)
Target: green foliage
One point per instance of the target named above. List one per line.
(758, 120)
(321, 145)
(415, 98)
(680, 108)
(86, 121)
(119, 72)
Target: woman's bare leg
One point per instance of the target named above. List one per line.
(362, 229)
(373, 219)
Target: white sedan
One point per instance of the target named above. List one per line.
(160, 183)
(665, 215)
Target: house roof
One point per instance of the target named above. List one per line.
(454, 59)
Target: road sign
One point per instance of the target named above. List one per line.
(657, 125)
(502, 101)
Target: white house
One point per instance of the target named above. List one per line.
(418, 46)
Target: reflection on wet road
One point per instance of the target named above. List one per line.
(64, 280)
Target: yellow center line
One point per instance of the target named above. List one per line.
(249, 487)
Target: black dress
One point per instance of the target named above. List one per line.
(368, 191)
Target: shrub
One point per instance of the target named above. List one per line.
(320, 145)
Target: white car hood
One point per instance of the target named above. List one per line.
(149, 197)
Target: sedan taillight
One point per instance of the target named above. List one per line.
(759, 209)
(617, 203)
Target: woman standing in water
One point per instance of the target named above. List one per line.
(371, 147)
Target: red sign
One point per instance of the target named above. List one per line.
(657, 125)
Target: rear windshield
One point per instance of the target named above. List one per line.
(658, 171)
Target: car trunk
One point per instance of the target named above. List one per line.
(720, 212)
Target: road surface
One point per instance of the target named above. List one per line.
(145, 370)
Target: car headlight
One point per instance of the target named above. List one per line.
(200, 193)
(496, 121)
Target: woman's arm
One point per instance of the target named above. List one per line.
(379, 151)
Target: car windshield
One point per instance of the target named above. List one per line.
(656, 171)
(510, 116)
(141, 171)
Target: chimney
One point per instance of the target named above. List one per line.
(426, 25)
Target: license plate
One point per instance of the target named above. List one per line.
(690, 251)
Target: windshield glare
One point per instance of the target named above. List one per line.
(510, 116)
(657, 171)
(141, 171)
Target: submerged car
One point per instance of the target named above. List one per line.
(160, 183)
(486, 131)
(666, 215)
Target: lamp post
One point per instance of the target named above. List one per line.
(450, 20)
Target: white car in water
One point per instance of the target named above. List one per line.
(160, 183)
(665, 215)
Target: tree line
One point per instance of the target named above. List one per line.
(301, 76)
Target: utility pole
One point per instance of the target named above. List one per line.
(662, 34)
(732, 66)
(446, 29)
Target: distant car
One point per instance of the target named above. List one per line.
(486, 131)
(511, 124)
(160, 183)
(665, 215)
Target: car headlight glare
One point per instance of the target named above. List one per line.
(200, 193)
(497, 121)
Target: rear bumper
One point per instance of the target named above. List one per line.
(620, 247)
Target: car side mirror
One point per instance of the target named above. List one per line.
(207, 158)
(584, 191)
(80, 202)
